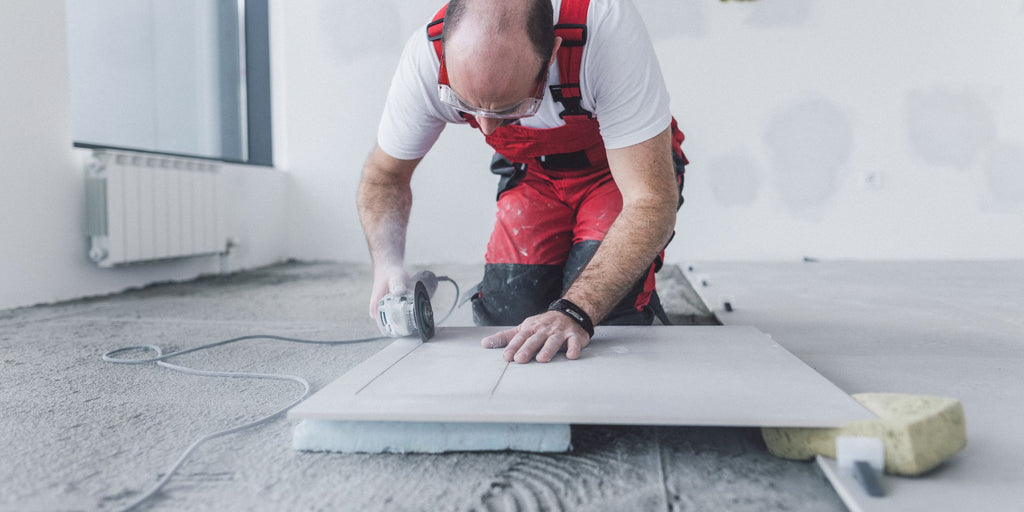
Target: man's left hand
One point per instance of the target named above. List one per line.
(543, 335)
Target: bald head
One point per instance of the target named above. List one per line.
(513, 24)
(497, 53)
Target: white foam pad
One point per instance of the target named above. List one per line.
(428, 437)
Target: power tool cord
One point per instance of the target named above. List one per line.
(455, 303)
(161, 360)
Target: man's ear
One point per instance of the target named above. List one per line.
(554, 51)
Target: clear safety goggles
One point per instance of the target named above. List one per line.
(524, 108)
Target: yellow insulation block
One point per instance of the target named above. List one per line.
(919, 432)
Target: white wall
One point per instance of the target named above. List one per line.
(789, 105)
(43, 257)
(792, 104)
(338, 72)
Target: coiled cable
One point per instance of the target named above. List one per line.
(161, 359)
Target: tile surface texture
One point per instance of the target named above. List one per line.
(628, 375)
(952, 329)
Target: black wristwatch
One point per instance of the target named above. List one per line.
(567, 308)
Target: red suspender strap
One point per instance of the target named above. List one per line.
(572, 28)
(435, 29)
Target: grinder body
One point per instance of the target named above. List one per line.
(410, 313)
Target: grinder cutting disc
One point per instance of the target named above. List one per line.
(423, 314)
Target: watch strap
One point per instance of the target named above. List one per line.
(571, 310)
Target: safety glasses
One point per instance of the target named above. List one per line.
(524, 108)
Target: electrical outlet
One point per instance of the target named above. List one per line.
(871, 180)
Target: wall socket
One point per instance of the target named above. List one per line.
(871, 180)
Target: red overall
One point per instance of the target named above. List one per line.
(557, 199)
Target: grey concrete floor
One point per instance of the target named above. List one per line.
(942, 328)
(77, 433)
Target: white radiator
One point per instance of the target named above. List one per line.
(150, 207)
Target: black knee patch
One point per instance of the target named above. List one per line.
(511, 293)
(579, 256)
(624, 313)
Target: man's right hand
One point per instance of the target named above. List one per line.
(393, 280)
(384, 201)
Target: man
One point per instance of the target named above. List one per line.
(585, 144)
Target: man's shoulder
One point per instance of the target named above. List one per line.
(605, 15)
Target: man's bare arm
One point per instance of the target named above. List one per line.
(384, 201)
(646, 178)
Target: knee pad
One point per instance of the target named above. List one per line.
(510, 293)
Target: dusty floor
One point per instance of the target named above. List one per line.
(941, 328)
(81, 434)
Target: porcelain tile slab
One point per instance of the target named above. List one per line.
(700, 376)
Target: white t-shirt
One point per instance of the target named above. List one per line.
(620, 80)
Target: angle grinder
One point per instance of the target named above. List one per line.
(408, 314)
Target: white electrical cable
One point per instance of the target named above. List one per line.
(455, 303)
(160, 359)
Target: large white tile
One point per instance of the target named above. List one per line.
(708, 376)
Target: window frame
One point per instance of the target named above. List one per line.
(255, 109)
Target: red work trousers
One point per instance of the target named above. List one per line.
(548, 226)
